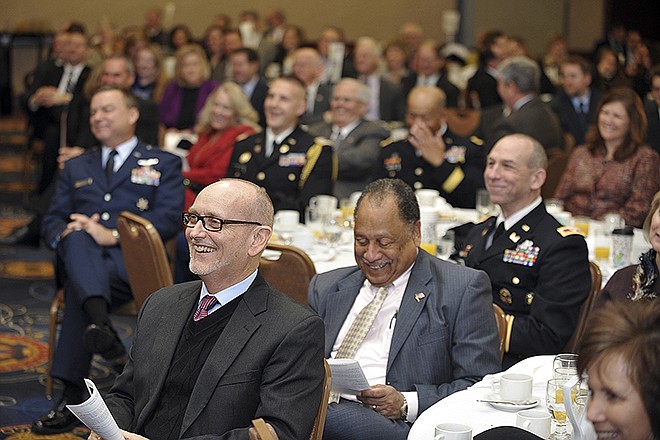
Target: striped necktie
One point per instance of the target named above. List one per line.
(358, 331)
(203, 310)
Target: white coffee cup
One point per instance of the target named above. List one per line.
(536, 422)
(286, 220)
(516, 387)
(427, 196)
(452, 431)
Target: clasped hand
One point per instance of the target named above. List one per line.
(384, 399)
(80, 222)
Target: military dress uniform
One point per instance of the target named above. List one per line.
(457, 178)
(539, 271)
(300, 167)
(149, 183)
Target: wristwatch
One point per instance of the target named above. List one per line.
(404, 409)
(115, 234)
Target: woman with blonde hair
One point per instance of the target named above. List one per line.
(186, 94)
(150, 77)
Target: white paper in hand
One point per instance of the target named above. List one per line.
(347, 376)
(94, 413)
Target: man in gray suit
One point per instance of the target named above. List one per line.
(523, 111)
(434, 332)
(356, 141)
(209, 372)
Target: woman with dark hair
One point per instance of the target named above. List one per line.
(620, 354)
(615, 171)
(638, 281)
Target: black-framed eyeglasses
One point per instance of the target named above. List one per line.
(210, 223)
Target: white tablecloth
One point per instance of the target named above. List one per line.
(462, 407)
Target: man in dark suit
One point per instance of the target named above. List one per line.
(652, 108)
(538, 269)
(432, 156)
(256, 354)
(576, 102)
(433, 333)
(308, 68)
(122, 175)
(386, 102)
(430, 71)
(356, 141)
(245, 73)
(54, 94)
(287, 161)
(523, 111)
(481, 91)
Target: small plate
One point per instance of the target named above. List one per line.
(510, 406)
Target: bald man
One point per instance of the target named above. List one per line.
(207, 374)
(432, 156)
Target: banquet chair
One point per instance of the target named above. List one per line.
(289, 272)
(557, 162)
(500, 319)
(148, 270)
(587, 306)
(319, 420)
(463, 122)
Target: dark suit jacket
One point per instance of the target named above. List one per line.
(546, 294)
(321, 105)
(485, 86)
(357, 155)
(257, 100)
(535, 118)
(653, 133)
(268, 362)
(452, 92)
(444, 340)
(392, 102)
(570, 120)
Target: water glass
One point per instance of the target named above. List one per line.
(554, 398)
(445, 243)
(483, 203)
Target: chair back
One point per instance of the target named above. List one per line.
(145, 257)
(463, 122)
(587, 306)
(319, 421)
(500, 319)
(290, 272)
(557, 162)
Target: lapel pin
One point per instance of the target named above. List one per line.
(419, 296)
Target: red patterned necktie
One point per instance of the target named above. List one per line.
(203, 310)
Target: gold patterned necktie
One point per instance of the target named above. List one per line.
(358, 331)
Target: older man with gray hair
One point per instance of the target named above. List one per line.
(355, 140)
(522, 110)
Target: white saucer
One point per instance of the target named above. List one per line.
(510, 406)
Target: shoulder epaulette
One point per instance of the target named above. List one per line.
(242, 137)
(565, 231)
(323, 141)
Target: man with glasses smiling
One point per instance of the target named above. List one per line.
(210, 356)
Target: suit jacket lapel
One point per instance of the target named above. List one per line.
(229, 345)
(343, 298)
(420, 287)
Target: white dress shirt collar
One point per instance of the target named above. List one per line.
(228, 294)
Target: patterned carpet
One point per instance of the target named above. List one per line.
(26, 292)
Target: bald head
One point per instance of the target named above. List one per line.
(307, 65)
(426, 105)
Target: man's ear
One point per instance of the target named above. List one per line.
(538, 179)
(259, 239)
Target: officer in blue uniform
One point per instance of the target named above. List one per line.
(122, 175)
(288, 162)
(432, 156)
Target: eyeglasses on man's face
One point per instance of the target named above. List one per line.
(210, 223)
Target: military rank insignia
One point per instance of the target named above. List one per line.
(524, 254)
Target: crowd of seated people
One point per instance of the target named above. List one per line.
(300, 118)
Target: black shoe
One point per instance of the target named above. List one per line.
(58, 420)
(21, 236)
(103, 340)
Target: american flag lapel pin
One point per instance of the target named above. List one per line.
(419, 296)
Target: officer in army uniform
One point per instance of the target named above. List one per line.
(287, 161)
(539, 270)
(432, 156)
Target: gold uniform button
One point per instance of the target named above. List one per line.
(105, 216)
(529, 298)
(107, 197)
(392, 173)
(284, 149)
(244, 157)
(419, 171)
(291, 177)
(505, 296)
(257, 149)
(418, 185)
(292, 141)
(261, 175)
(515, 280)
